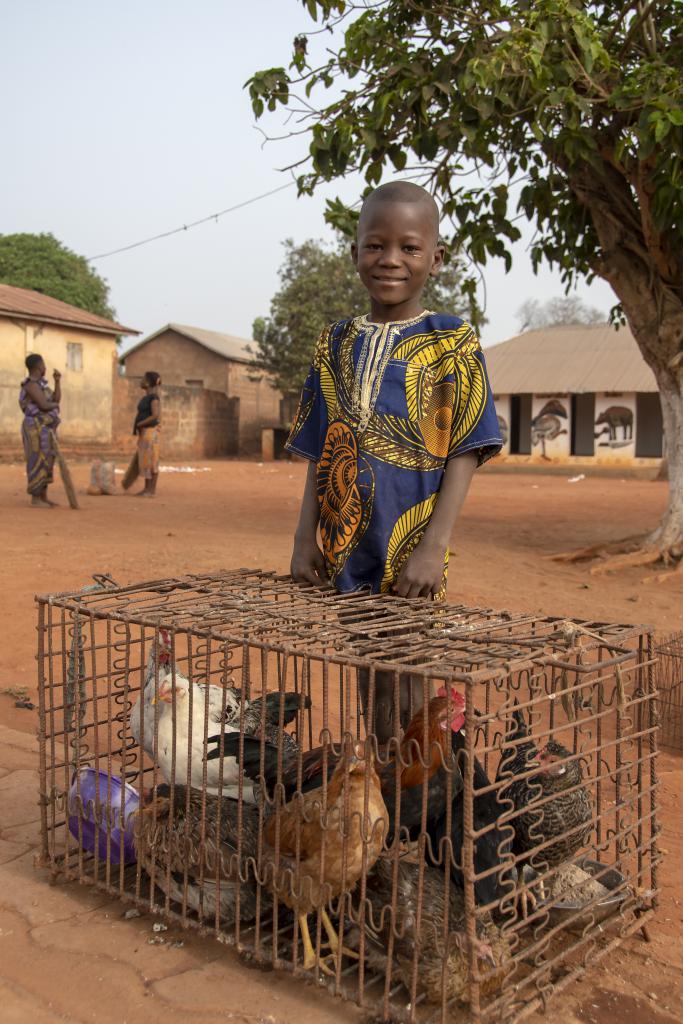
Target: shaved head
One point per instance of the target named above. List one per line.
(403, 192)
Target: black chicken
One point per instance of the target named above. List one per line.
(490, 849)
(172, 842)
(560, 821)
(268, 708)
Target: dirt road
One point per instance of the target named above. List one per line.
(243, 514)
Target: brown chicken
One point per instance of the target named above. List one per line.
(445, 718)
(335, 836)
(440, 964)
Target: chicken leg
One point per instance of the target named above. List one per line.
(332, 942)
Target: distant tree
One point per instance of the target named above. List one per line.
(565, 309)
(319, 284)
(568, 113)
(43, 264)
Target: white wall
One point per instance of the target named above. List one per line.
(615, 423)
(551, 426)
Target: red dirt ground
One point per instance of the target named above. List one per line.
(243, 514)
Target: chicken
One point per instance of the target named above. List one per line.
(141, 719)
(189, 843)
(317, 845)
(154, 713)
(563, 809)
(445, 717)
(491, 946)
(491, 849)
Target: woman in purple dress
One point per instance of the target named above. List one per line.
(40, 406)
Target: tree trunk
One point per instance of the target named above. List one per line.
(648, 281)
(669, 536)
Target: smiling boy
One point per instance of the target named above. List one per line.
(395, 414)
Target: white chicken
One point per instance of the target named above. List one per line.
(190, 737)
(153, 713)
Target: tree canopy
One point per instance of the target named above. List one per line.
(566, 113)
(319, 284)
(43, 264)
(564, 309)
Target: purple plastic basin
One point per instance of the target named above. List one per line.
(98, 787)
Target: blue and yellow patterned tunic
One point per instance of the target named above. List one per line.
(383, 409)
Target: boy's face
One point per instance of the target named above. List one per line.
(397, 249)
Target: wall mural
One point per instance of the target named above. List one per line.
(615, 420)
(547, 424)
(503, 430)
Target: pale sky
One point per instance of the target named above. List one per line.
(123, 120)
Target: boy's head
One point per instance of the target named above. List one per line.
(397, 244)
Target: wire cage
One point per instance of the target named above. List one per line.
(669, 679)
(441, 812)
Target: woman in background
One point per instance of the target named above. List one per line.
(40, 406)
(147, 427)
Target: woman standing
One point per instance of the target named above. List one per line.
(147, 427)
(40, 406)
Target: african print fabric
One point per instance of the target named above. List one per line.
(36, 435)
(383, 409)
(149, 443)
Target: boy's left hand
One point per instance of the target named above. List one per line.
(422, 575)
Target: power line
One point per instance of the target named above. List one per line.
(193, 224)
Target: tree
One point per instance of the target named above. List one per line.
(319, 284)
(43, 264)
(565, 309)
(566, 112)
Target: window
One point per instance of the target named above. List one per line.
(74, 356)
(194, 383)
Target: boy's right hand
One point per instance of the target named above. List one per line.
(308, 563)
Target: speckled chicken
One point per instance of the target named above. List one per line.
(564, 820)
(491, 946)
(201, 832)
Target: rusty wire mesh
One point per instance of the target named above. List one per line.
(468, 868)
(669, 681)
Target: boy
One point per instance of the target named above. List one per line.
(395, 415)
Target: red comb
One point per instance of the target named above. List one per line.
(455, 695)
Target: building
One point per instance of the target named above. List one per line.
(79, 344)
(576, 393)
(192, 357)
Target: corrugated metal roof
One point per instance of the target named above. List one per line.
(226, 345)
(30, 305)
(572, 359)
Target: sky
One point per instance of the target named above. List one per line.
(129, 119)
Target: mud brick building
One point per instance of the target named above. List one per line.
(208, 361)
(576, 394)
(79, 344)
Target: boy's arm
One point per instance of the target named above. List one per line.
(308, 562)
(422, 574)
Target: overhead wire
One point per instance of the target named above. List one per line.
(192, 224)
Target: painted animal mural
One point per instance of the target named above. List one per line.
(613, 417)
(547, 424)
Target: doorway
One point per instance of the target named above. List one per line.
(649, 426)
(520, 424)
(583, 425)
